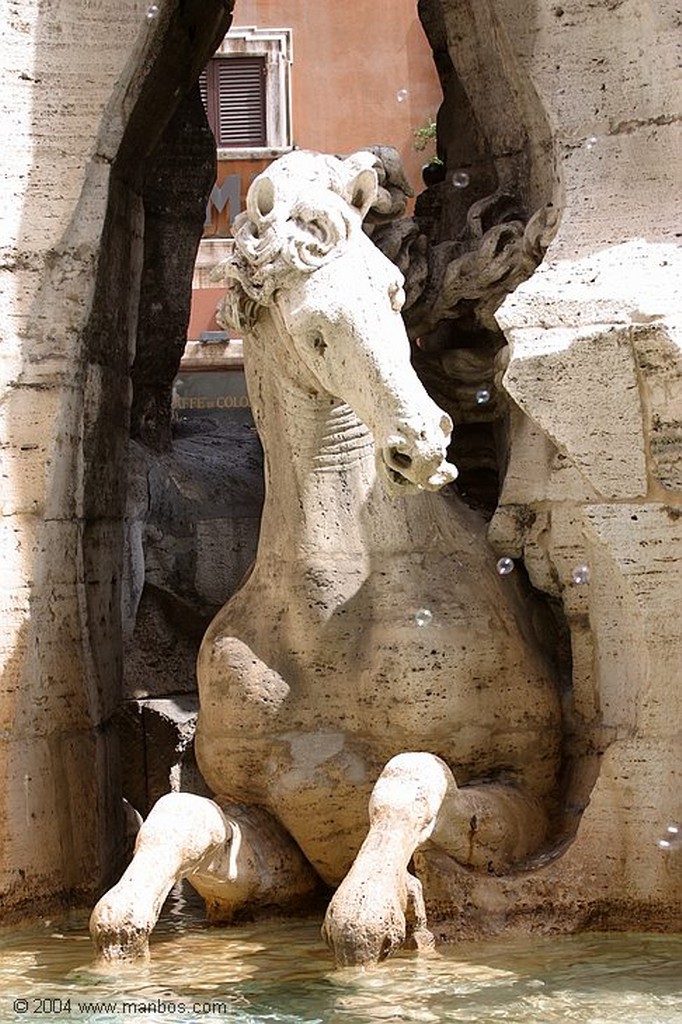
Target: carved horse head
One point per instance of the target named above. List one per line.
(302, 258)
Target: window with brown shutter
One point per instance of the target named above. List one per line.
(233, 91)
(245, 89)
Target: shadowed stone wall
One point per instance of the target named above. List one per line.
(571, 104)
(178, 181)
(84, 121)
(565, 103)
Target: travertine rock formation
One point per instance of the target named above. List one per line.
(319, 676)
(575, 109)
(569, 104)
(191, 530)
(87, 93)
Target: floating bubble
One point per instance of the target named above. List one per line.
(505, 565)
(401, 95)
(423, 616)
(482, 396)
(672, 838)
(460, 179)
(152, 12)
(591, 141)
(580, 574)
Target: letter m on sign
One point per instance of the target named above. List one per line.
(221, 195)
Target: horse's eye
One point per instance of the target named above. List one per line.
(397, 295)
(318, 342)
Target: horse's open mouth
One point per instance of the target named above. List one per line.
(398, 478)
(396, 464)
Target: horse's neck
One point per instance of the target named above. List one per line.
(319, 469)
(323, 498)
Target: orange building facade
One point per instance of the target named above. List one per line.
(325, 76)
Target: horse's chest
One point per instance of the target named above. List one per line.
(402, 676)
(445, 674)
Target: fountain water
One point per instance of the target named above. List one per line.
(279, 973)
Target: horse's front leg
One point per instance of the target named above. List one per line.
(180, 832)
(365, 921)
(418, 930)
(416, 799)
(234, 857)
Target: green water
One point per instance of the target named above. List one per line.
(281, 973)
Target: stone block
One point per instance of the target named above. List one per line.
(581, 388)
(658, 351)
(637, 556)
(157, 736)
(537, 471)
(635, 282)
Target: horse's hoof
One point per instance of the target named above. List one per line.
(120, 933)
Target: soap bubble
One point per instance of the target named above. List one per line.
(460, 179)
(482, 396)
(152, 12)
(505, 565)
(423, 616)
(671, 840)
(591, 142)
(401, 95)
(580, 574)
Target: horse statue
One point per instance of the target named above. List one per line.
(374, 658)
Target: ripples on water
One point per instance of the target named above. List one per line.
(281, 973)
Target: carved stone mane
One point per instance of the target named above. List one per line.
(292, 226)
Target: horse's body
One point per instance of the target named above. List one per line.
(317, 672)
(344, 677)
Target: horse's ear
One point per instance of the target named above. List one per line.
(363, 191)
(260, 199)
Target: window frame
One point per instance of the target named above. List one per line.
(274, 46)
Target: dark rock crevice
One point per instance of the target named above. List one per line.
(181, 172)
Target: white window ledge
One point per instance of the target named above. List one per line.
(257, 153)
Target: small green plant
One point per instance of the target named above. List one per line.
(424, 136)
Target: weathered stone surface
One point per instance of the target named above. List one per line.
(157, 735)
(658, 350)
(633, 283)
(178, 180)
(554, 376)
(79, 120)
(319, 670)
(193, 516)
(599, 321)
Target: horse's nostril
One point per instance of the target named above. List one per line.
(400, 459)
(446, 424)
(319, 344)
